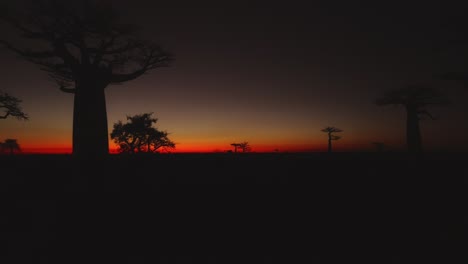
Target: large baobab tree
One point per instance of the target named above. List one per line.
(84, 48)
(415, 99)
(10, 106)
(330, 130)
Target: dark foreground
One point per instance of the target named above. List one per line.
(225, 208)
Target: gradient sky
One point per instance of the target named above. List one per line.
(270, 74)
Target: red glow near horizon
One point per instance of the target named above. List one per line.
(208, 149)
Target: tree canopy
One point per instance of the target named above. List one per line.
(330, 130)
(138, 135)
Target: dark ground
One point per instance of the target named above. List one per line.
(235, 208)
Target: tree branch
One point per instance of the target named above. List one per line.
(63, 88)
(27, 32)
(155, 58)
(28, 53)
(65, 54)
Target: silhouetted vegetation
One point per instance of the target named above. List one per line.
(10, 146)
(331, 136)
(84, 48)
(138, 135)
(244, 146)
(10, 106)
(235, 145)
(415, 99)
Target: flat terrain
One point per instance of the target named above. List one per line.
(235, 208)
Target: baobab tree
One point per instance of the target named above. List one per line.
(330, 130)
(84, 48)
(415, 99)
(235, 145)
(10, 106)
(244, 146)
(10, 145)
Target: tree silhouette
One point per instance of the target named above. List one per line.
(244, 146)
(10, 145)
(235, 145)
(415, 99)
(84, 48)
(139, 135)
(10, 106)
(330, 131)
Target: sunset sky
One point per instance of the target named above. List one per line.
(270, 74)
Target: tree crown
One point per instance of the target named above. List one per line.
(76, 40)
(139, 135)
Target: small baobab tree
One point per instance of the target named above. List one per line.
(84, 48)
(236, 146)
(244, 146)
(10, 106)
(415, 99)
(330, 130)
(10, 146)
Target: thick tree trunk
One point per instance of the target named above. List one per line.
(329, 143)
(90, 133)
(413, 134)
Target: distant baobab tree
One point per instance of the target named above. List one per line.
(84, 48)
(330, 131)
(235, 145)
(10, 106)
(415, 99)
(10, 146)
(244, 146)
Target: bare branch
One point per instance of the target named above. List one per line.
(28, 53)
(426, 113)
(65, 89)
(11, 106)
(151, 58)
